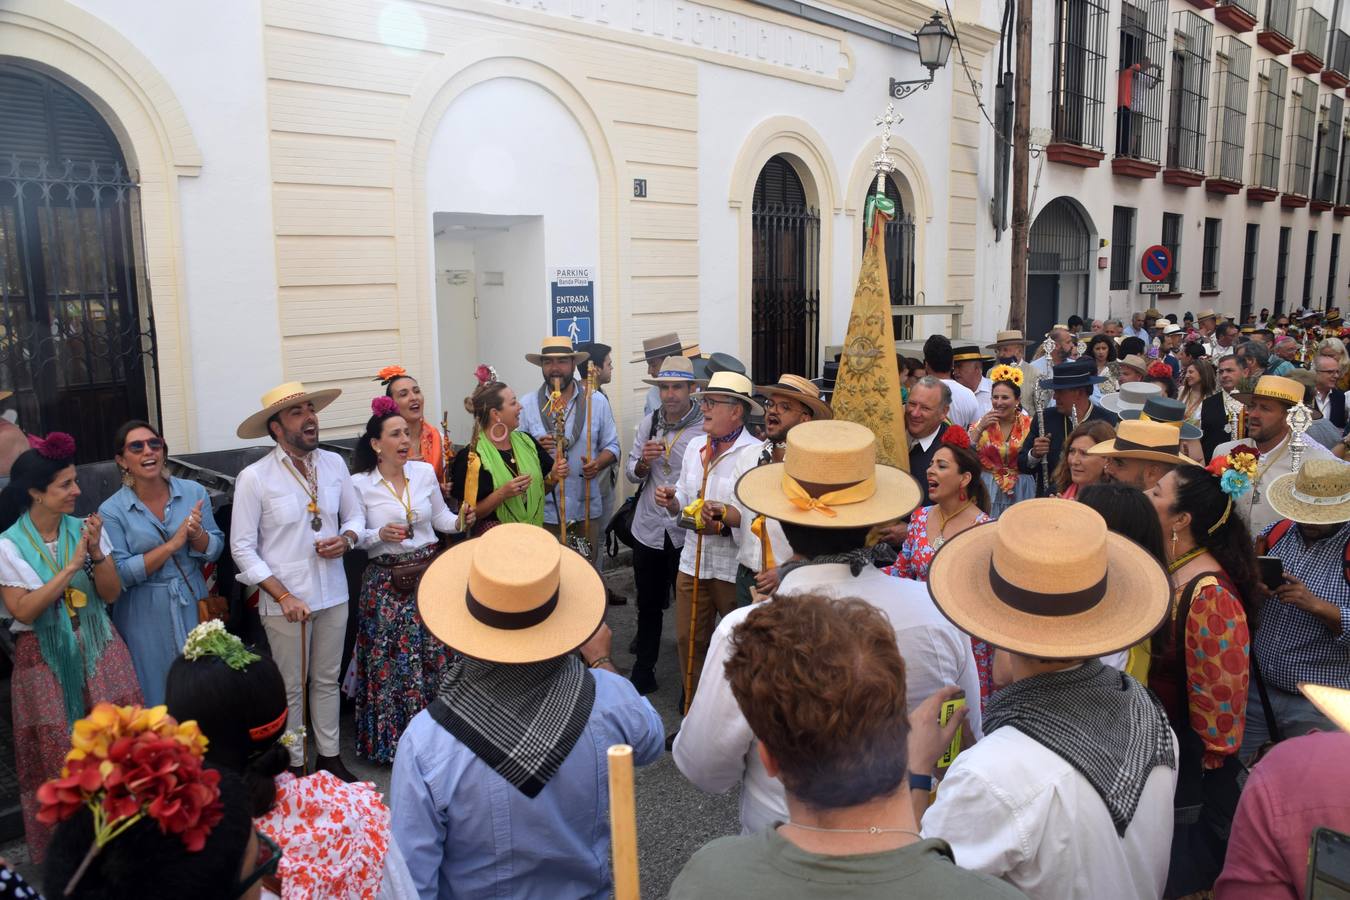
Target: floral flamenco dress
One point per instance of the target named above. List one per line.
(998, 455)
(916, 553)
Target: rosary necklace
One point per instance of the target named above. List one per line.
(310, 483)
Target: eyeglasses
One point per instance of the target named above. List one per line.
(705, 403)
(269, 857)
(138, 446)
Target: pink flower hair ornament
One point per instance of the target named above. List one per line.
(383, 406)
(485, 373)
(57, 445)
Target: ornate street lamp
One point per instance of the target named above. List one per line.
(935, 45)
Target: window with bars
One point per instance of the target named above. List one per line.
(1171, 239)
(1312, 32)
(1328, 146)
(785, 266)
(1271, 81)
(1232, 72)
(1079, 92)
(1209, 261)
(1338, 55)
(1309, 267)
(1139, 91)
(1280, 17)
(1249, 270)
(1189, 100)
(1281, 269)
(1343, 185)
(1302, 130)
(1333, 262)
(1122, 247)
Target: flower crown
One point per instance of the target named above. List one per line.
(1236, 471)
(485, 373)
(57, 445)
(1159, 370)
(126, 763)
(388, 374)
(211, 639)
(956, 437)
(1010, 374)
(383, 406)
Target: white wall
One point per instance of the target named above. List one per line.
(508, 147)
(456, 328)
(211, 56)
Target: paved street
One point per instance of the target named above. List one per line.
(674, 818)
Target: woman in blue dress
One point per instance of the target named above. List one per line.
(162, 532)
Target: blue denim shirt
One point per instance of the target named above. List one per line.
(466, 832)
(157, 609)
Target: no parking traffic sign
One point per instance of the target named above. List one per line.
(1156, 263)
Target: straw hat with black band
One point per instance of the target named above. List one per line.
(1168, 412)
(1152, 441)
(733, 385)
(283, 397)
(514, 595)
(1048, 580)
(1317, 494)
(674, 370)
(829, 478)
(662, 346)
(1276, 387)
(968, 354)
(556, 348)
(800, 390)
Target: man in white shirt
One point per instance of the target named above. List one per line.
(1137, 328)
(295, 515)
(968, 371)
(937, 359)
(706, 585)
(790, 402)
(1070, 793)
(830, 469)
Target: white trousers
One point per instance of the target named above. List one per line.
(324, 632)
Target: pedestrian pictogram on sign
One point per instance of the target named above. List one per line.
(1156, 263)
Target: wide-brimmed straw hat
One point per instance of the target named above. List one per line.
(1206, 314)
(284, 396)
(1006, 337)
(1318, 494)
(829, 478)
(1168, 412)
(1334, 703)
(1049, 581)
(554, 348)
(662, 346)
(674, 370)
(1079, 373)
(1173, 328)
(1152, 441)
(1132, 395)
(733, 385)
(514, 595)
(802, 390)
(1276, 387)
(1153, 313)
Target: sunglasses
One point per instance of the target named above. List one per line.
(139, 446)
(269, 857)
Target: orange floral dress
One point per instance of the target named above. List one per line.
(998, 455)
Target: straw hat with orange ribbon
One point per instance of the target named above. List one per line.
(1048, 580)
(829, 478)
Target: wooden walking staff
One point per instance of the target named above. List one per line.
(698, 569)
(623, 822)
(559, 410)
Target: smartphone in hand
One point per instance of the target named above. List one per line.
(1271, 571)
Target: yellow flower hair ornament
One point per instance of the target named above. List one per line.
(1010, 374)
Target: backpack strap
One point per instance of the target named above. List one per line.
(1277, 531)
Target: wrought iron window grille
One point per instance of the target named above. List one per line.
(1078, 93)
(1232, 68)
(1189, 99)
(1143, 52)
(1272, 82)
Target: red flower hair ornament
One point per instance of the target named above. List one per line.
(57, 445)
(1159, 370)
(383, 406)
(956, 437)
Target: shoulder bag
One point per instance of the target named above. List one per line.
(620, 527)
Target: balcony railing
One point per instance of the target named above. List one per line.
(1272, 88)
(1312, 34)
(1280, 17)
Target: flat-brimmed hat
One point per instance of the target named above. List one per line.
(1151, 441)
(1173, 328)
(514, 595)
(1079, 373)
(674, 370)
(1206, 314)
(1136, 362)
(1131, 396)
(1049, 581)
(707, 366)
(662, 346)
(829, 373)
(968, 354)
(829, 478)
(1247, 329)
(1168, 412)
(554, 348)
(1006, 337)
(1334, 703)
(284, 396)
(1153, 313)
(802, 390)
(1276, 387)
(1317, 494)
(733, 385)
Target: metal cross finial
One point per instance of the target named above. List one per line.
(881, 163)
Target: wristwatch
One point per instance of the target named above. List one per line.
(921, 783)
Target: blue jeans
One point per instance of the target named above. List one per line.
(1294, 713)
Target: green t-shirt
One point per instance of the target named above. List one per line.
(765, 866)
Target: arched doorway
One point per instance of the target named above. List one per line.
(899, 255)
(785, 298)
(76, 349)
(1058, 266)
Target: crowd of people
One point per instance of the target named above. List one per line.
(1084, 647)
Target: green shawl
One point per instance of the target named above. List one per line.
(529, 508)
(56, 637)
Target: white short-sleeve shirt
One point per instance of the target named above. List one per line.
(16, 572)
